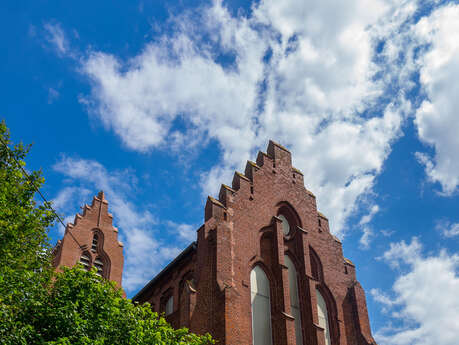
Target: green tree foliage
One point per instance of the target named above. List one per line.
(24, 246)
(81, 309)
(39, 306)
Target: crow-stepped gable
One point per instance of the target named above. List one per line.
(264, 270)
(92, 240)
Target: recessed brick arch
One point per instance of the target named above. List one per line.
(332, 312)
(100, 237)
(106, 261)
(236, 236)
(187, 276)
(285, 208)
(316, 265)
(268, 271)
(85, 254)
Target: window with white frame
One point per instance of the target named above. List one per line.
(323, 316)
(261, 307)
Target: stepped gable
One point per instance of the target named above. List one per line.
(277, 160)
(265, 215)
(92, 237)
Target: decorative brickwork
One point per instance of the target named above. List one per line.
(265, 215)
(93, 241)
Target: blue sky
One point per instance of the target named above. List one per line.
(157, 103)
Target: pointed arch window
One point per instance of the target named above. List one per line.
(316, 265)
(323, 316)
(261, 307)
(289, 219)
(169, 306)
(294, 299)
(95, 242)
(99, 265)
(85, 260)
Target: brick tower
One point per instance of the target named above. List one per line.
(92, 241)
(265, 269)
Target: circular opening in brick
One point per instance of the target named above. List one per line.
(285, 224)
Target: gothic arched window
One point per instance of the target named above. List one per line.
(316, 265)
(169, 306)
(323, 316)
(261, 307)
(85, 260)
(99, 264)
(289, 218)
(95, 241)
(294, 299)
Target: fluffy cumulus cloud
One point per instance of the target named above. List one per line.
(145, 248)
(300, 72)
(436, 119)
(424, 304)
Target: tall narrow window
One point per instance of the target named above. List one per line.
(169, 306)
(85, 260)
(98, 263)
(261, 307)
(294, 299)
(323, 316)
(95, 240)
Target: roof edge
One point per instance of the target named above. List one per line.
(192, 247)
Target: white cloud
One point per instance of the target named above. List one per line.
(368, 217)
(387, 232)
(53, 95)
(67, 196)
(436, 119)
(402, 252)
(144, 257)
(366, 237)
(366, 229)
(447, 228)
(56, 36)
(310, 94)
(66, 202)
(145, 249)
(186, 232)
(382, 298)
(424, 303)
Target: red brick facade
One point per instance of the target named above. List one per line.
(210, 280)
(93, 241)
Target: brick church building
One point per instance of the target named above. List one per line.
(264, 270)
